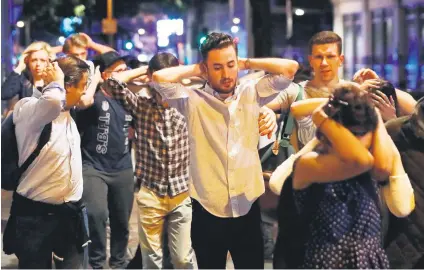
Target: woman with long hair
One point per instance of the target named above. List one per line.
(26, 79)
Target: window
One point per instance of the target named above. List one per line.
(358, 39)
(378, 41)
(390, 50)
(412, 64)
(348, 46)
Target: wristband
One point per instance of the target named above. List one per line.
(247, 63)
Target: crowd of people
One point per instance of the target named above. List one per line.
(350, 197)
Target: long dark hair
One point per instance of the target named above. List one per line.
(352, 109)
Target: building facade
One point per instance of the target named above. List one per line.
(385, 35)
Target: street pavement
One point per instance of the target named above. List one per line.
(11, 262)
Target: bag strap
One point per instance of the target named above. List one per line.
(288, 125)
(42, 141)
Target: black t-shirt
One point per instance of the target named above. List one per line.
(104, 131)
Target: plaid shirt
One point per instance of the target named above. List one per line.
(162, 145)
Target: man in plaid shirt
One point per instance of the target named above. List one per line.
(162, 167)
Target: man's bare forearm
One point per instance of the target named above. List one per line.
(176, 74)
(285, 67)
(129, 75)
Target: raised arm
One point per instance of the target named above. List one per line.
(52, 100)
(117, 87)
(281, 74)
(345, 163)
(398, 192)
(177, 74)
(99, 48)
(383, 155)
(285, 67)
(406, 102)
(306, 107)
(88, 98)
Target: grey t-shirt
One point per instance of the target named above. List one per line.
(305, 127)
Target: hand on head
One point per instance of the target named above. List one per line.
(364, 74)
(53, 73)
(88, 38)
(21, 64)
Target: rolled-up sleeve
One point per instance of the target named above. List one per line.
(269, 86)
(170, 91)
(121, 93)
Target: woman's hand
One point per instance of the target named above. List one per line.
(385, 106)
(21, 65)
(364, 74)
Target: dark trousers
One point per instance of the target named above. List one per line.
(41, 229)
(108, 195)
(212, 238)
(38, 236)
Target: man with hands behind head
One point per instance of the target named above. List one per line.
(46, 208)
(225, 171)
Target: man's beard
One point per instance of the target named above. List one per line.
(225, 91)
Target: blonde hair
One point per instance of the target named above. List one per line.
(38, 46)
(76, 40)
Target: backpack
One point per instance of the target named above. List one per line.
(10, 170)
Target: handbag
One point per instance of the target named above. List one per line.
(281, 149)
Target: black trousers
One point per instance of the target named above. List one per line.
(108, 195)
(212, 238)
(38, 229)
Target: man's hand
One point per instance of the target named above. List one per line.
(89, 40)
(267, 122)
(364, 74)
(53, 73)
(385, 106)
(87, 98)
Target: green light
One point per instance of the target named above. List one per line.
(202, 39)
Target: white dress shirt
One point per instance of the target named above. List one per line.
(55, 176)
(225, 170)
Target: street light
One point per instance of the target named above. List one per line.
(61, 39)
(142, 57)
(20, 24)
(236, 20)
(141, 31)
(299, 12)
(234, 29)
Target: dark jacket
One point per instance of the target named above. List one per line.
(404, 242)
(16, 84)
